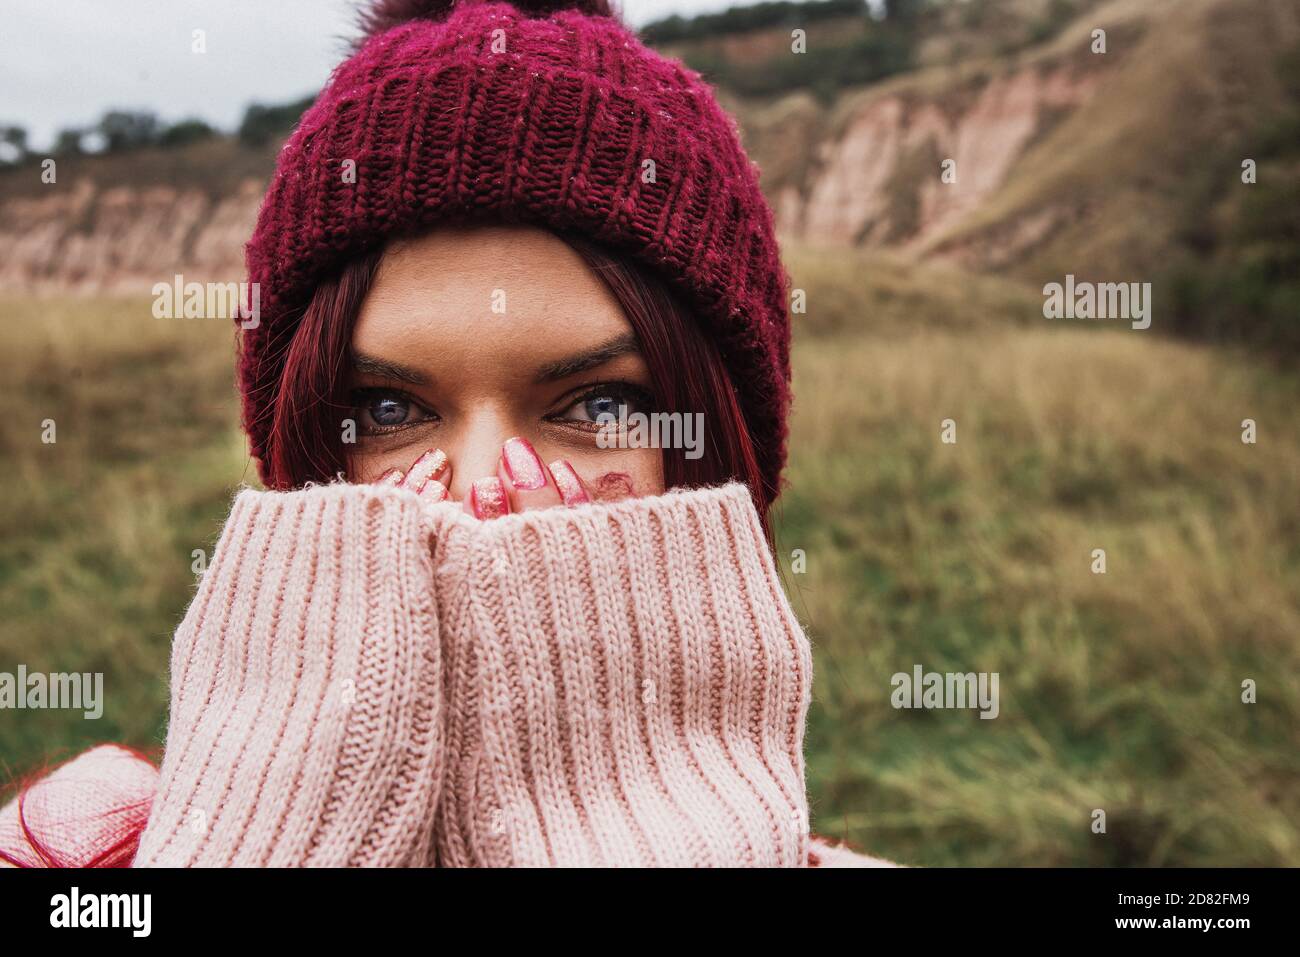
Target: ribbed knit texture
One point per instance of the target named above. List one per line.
(555, 130)
(306, 723)
(367, 679)
(628, 686)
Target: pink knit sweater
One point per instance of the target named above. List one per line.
(367, 679)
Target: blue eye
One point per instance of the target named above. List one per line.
(388, 410)
(610, 399)
(382, 410)
(600, 405)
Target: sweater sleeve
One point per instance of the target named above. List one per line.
(626, 684)
(305, 722)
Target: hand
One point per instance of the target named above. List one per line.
(522, 482)
(428, 476)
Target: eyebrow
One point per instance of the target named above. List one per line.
(625, 344)
(373, 365)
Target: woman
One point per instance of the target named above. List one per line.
(476, 620)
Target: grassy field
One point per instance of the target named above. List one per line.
(1118, 691)
(97, 529)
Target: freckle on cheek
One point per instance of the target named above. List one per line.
(614, 485)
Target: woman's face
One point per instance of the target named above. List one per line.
(471, 336)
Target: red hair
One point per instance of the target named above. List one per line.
(687, 375)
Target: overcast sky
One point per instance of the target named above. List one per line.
(64, 62)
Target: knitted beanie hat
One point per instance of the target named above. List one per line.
(545, 113)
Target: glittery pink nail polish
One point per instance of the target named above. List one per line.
(488, 498)
(570, 486)
(522, 464)
(431, 465)
(433, 491)
(391, 477)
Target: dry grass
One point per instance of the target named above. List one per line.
(1119, 691)
(888, 294)
(97, 529)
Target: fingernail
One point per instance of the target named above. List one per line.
(430, 465)
(570, 486)
(391, 477)
(433, 491)
(522, 464)
(487, 497)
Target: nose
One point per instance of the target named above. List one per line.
(475, 449)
